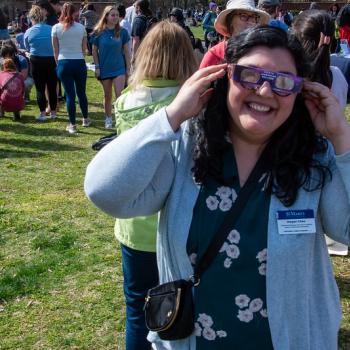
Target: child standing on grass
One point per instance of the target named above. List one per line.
(11, 89)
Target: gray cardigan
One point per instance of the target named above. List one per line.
(148, 169)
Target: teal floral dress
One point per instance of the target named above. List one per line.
(230, 301)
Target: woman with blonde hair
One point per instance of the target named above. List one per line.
(111, 56)
(163, 62)
(69, 43)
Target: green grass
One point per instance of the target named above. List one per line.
(198, 32)
(60, 268)
(60, 273)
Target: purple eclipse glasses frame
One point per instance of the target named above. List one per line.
(282, 84)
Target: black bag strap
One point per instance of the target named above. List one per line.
(2, 88)
(230, 219)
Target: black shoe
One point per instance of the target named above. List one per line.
(16, 116)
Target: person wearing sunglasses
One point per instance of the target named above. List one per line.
(238, 16)
(270, 285)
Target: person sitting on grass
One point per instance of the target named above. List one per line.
(9, 50)
(11, 89)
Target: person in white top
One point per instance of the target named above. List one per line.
(69, 40)
(130, 14)
(124, 23)
(315, 30)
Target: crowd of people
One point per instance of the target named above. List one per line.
(192, 124)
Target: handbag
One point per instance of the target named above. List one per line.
(103, 141)
(169, 307)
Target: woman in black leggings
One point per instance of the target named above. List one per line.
(37, 40)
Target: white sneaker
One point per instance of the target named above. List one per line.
(109, 123)
(337, 249)
(72, 129)
(53, 116)
(86, 122)
(40, 118)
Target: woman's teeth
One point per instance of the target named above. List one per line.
(258, 107)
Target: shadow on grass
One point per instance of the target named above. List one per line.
(5, 153)
(344, 286)
(22, 128)
(344, 339)
(43, 146)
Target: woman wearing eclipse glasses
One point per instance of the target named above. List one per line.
(270, 285)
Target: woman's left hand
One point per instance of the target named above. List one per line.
(327, 115)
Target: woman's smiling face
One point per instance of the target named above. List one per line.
(257, 114)
(112, 17)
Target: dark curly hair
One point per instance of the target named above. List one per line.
(291, 148)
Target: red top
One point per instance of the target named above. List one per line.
(344, 32)
(12, 96)
(215, 55)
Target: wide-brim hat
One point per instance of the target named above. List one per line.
(236, 5)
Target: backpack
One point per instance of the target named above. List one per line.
(11, 92)
(150, 22)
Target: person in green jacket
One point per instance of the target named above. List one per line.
(164, 61)
(208, 22)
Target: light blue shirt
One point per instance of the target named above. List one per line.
(37, 40)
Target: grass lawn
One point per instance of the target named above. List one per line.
(60, 268)
(198, 32)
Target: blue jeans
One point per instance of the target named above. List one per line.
(140, 273)
(72, 74)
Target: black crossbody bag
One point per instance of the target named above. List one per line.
(169, 308)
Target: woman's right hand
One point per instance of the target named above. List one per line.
(193, 95)
(97, 72)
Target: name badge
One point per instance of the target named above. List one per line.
(292, 222)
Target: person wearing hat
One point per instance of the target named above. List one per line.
(238, 16)
(272, 7)
(208, 22)
(176, 15)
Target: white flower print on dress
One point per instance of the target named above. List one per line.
(245, 315)
(212, 203)
(263, 312)
(262, 255)
(234, 236)
(197, 329)
(209, 334)
(242, 300)
(224, 192)
(221, 334)
(262, 258)
(224, 247)
(255, 305)
(205, 320)
(225, 204)
(232, 251)
(262, 269)
(234, 195)
(227, 263)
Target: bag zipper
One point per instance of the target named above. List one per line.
(178, 296)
